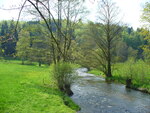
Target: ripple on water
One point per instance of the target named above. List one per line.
(93, 95)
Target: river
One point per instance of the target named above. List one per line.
(94, 95)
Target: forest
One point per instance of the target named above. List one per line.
(30, 43)
(46, 52)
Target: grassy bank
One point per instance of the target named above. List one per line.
(138, 71)
(31, 89)
(96, 72)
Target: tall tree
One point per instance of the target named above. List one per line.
(40, 47)
(10, 37)
(23, 45)
(61, 41)
(145, 15)
(68, 12)
(106, 33)
(1, 50)
(146, 46)
(146, 18)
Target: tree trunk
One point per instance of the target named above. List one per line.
(22, 61)
(53, 52)
(68, 90)
(109, 74)
(128, 83)
(40, 63)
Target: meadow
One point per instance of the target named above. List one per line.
(138, 71)
(31, 89)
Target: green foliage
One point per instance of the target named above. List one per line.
(146, 19)
(40, 51)
(63, 74)
(146, 12)
(9, 37)
(134, 40)
(30, 89)
(34, 45)
(1, 50)
(23, 45)
(138, 71)
(82, 46)
(146, 47)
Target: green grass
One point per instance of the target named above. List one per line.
(31, 89)
(96, 72)
(138, 71)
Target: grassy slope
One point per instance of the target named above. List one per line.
(22, 90)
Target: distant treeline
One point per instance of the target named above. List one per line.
(130, 44)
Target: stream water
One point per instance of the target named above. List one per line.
(94, 95)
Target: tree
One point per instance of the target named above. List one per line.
(85, 46)
(10, 37)
(121, 52)
(60, 42)
(134, 40)
(40, 48)
(68, 12)
(1, 50)
(146, 46)
(146, 18)
(146, 12)
(106, 33)
(23, 45)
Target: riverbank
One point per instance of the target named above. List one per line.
(137, 84)
(30, 89)
(94, 95)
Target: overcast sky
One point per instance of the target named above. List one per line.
(130, 10)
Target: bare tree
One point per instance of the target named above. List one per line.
(68, 13)
(106, 34)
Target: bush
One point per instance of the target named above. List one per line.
(64, 76)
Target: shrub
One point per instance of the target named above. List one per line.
(64, 76)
